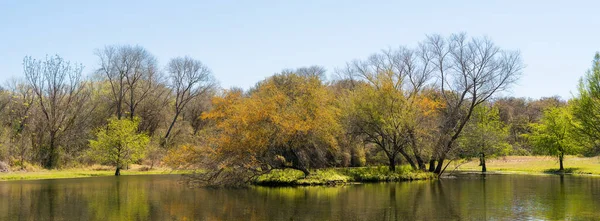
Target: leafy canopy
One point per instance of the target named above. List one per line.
(554, 135)
(119, 143)
(485, 134)
(287, 120)
(586, 107)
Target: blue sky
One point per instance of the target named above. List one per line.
(245, 41)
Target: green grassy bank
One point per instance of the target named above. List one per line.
(91, 171)
(536, 165)
(334, 176)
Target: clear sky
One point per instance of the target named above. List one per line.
(245, 41)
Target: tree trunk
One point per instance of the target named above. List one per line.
(420, 162)
(131, 104)
(431, 165)
(22, 153)
(416, 152)
(408, 159)
(439, 167)
(560, 159)
(119, 110)
(304, 170)
(52, 156)
(171, 126)
(482, 162)
(118, 171)
(392, 164)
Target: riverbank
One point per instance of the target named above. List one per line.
(335, 176)
(92, 171)
(535, 164)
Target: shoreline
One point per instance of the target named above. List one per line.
(574, 165)
(523, 165)
(79, 173)
(517, 172)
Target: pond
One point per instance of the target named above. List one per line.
(163, 197)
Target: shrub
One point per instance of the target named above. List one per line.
(4, 168)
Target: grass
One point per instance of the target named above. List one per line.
(383, 174)
(537, 164)
(92, 171)
(335, 176)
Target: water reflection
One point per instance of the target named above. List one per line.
(470, 197)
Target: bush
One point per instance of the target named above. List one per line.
(4, 168)
(290, 177)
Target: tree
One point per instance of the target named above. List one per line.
(381, 116)
(286, 121)
(469, 72)
(484, 136)
(402, 75)
(19, 118)
(189, 79)
(586, 107)
(61, 97)
(518, 113)
(132, 73)
(119, 144)
(193, 112)
(554, 134)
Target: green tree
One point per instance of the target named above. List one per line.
(381, 116)
(554, 134)
(485, 136)
(586, 107)
(119, 143)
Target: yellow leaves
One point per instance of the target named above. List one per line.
(427, 105)
(279, 111)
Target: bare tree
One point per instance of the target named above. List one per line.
(189, 79)
(154, 109)
(193, 111)
(116, 79)
(131, 72)
(408, 69)
(469, 72)
(314, 70)
(60, 95)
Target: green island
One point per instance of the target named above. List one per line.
(335, 176)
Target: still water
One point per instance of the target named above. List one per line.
(162, 197)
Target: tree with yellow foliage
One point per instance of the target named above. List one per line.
(286, 121)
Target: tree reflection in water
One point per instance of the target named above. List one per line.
(469, 197)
